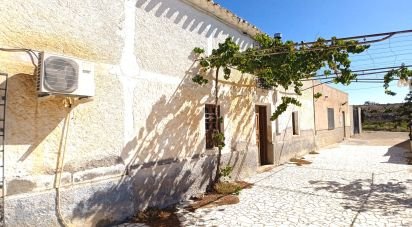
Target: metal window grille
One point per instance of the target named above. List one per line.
(210, 123)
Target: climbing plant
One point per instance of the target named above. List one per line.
(277, 64)
(403, 73)
(404, 112)
(221, 58)
(283, 64)
(317, 95)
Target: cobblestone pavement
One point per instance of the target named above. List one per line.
(346, 185)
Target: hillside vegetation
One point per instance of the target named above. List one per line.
(387, 117)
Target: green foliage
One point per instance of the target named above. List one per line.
(204, 63)
(220, 120)
(222, 57)
(198, 50)
(226, 171)
(284, 64)
(405, 111)
(401, 126)
(199, 80)
(219, 139)
(370, 103)
(283, 106)
(227, 188)
(226, 72)
(403, 73)
(317, 95)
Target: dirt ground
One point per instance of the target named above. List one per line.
(379, 138)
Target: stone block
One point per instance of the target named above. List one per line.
(98, 173)
(35, 183)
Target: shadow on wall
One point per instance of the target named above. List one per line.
(36, 118)
(166, 159)
(397, 153)
(163, 160)
(386, 199)
(181, 13)
(241, 117)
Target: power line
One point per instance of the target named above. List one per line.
(303, 44)
(334, 77)
(381, 63)
(386, 34)
(352, 81)
(383, 57)
(398, 41)
(372, 79)
(366, 88)
(326, 82)
(367, 70)
(381, 52)
(30, 52)
(367, 81)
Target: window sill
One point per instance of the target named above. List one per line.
(211, 151)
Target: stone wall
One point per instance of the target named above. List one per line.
(141, 140)
(289, 145)
(329, 137)
(338, 101)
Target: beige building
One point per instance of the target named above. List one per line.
(142, 138)
(332, 115)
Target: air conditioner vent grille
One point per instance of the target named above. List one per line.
(61, 74)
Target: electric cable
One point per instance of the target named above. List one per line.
(387, 36)
(68, 102)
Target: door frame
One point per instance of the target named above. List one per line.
(263, 131)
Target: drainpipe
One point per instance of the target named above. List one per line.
(314, 113)
(314, 110)
(68, 102)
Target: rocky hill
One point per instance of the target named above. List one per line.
(383, 117)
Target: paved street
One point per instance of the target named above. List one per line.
(361, 182)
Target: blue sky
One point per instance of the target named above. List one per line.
(305, 20)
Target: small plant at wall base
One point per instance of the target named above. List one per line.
(225, 173)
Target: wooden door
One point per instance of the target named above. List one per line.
(261, 133)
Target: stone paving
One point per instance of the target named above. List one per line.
(347, 185)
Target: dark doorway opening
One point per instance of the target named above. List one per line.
(356, 123)
(261, 134)
(344, 124)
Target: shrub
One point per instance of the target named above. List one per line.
(227, 188)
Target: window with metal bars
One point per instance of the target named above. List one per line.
(210, 124)
(331, 118)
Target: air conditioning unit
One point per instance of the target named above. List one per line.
(59, 75)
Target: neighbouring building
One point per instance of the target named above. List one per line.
(143, 138)
(332, 115)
